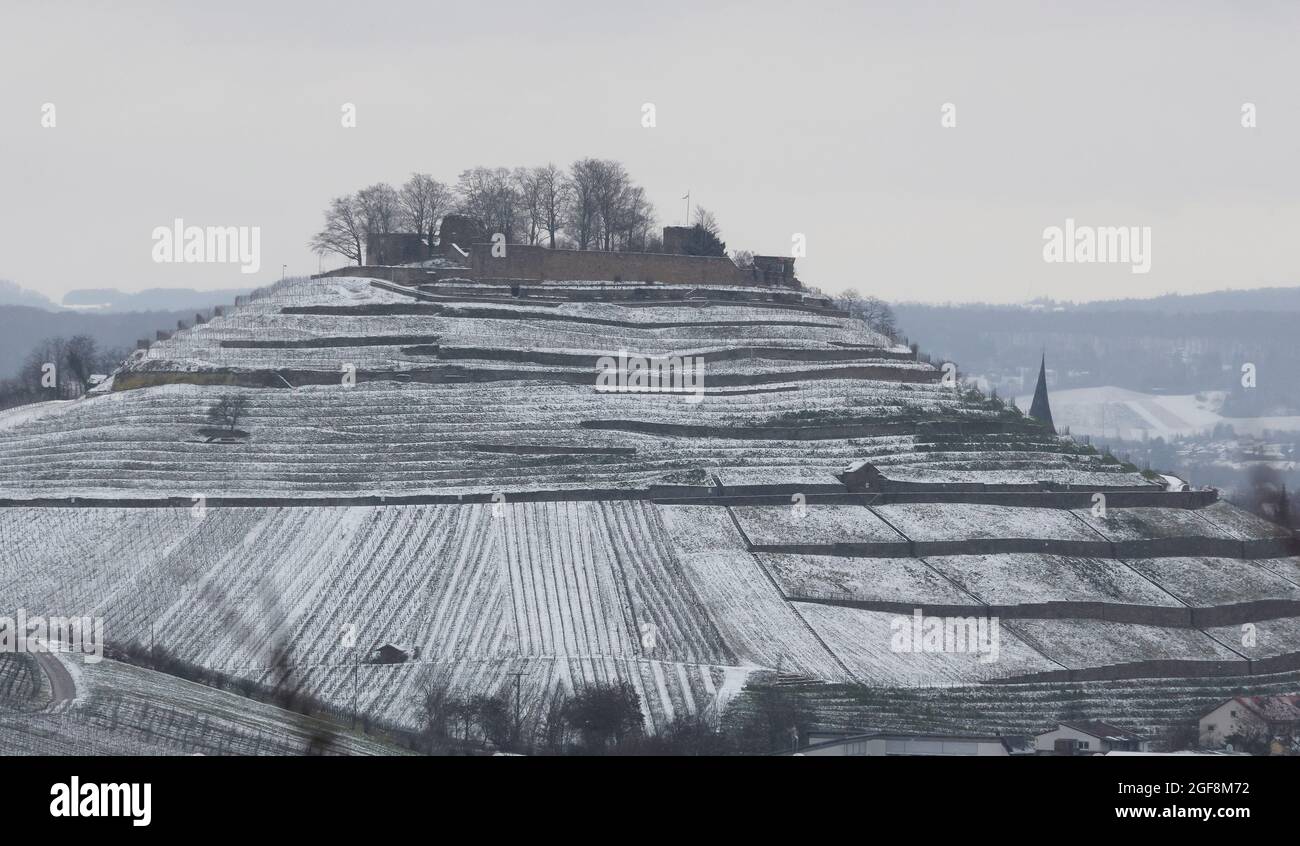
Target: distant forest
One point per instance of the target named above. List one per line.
(1129, 344)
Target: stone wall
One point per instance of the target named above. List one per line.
(676, 239)
(542, 264)
(400, 275)
(461, 230)
(395, 248)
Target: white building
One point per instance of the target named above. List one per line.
(881, 743)
(1089, 738)
(1265, 717)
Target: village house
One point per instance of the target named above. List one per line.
(878, 744)
(1089, 738)
(1264, 717)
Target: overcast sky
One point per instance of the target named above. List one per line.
(783, 118)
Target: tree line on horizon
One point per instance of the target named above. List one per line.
(59, 368)
(593, 205)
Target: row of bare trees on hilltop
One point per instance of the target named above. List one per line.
(593, 205)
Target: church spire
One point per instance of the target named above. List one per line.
(1039, 409)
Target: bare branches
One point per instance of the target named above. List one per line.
(344, 232)
(594, 205)
(424, 200)
(228, 410)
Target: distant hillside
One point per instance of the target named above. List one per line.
(23, 327)
(153, 299)
(11, 293)
(1254, 299)
(1179, 345)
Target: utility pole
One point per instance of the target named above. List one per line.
(687, 198)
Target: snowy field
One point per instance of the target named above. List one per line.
(1113, 412)
(1025, 578)
(125, 710)
(863, 641)
(815, 525)
(1206, 582)
(899, 580)
(1078, 644)
(685, 603)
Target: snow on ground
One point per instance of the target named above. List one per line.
(1287, 568)
(13, 417)
(1135, 524)
(1119, 412)
(1219, 521)
(592, 590)
(755, 621)
(1240, 523)
(861, 579)
(1089, 643)
(813, 524)
(964, 521)
(1261, 639)
(865, 642)
(742, 476)
(1025, 578)
(665, 598)
(127, 710)
(1204, 582)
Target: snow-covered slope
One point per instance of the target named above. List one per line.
(436, 468)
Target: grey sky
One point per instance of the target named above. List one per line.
(822, 119)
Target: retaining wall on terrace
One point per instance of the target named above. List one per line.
(1165, 669)
(399, 275)
(1171, 616)
(566, 359)
(540, 264)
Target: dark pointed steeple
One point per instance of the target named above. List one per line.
(1039, 409)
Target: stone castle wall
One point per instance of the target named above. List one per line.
(543, 264)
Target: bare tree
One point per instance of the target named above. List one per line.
(37, 374)
(424, 200)
(636, 220)
(583, 211)
(528, 186)
(873, 311)
(437, 707)
(610, 186)
(380, 207)
(707, 221)
(490, 195)
(552, 199)
(227, 411)
(595, 205)
(344, 231)
(80, 356)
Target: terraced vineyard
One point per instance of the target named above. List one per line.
(434, 469)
